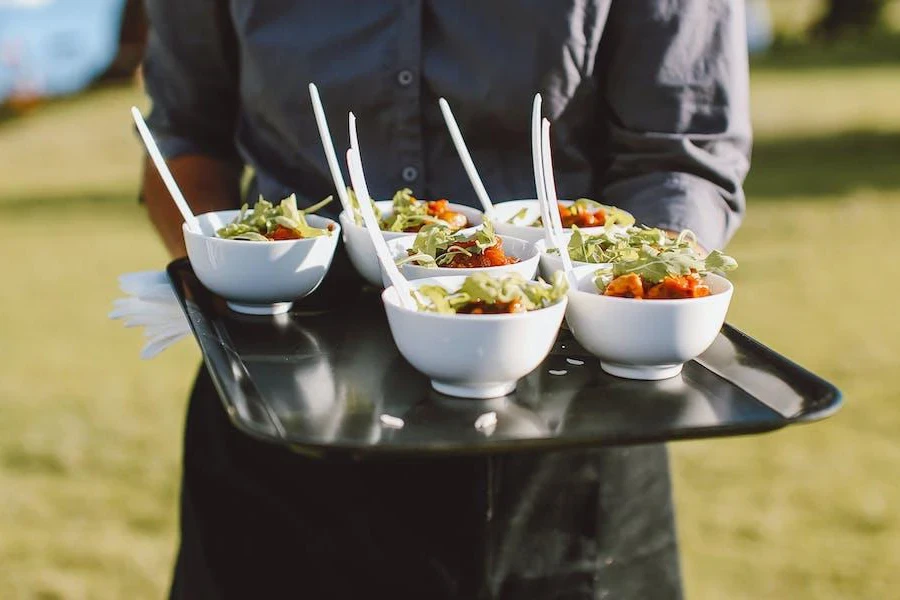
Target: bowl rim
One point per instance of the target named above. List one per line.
(561, 303)
(663, 302)
(530, 201)
(193, 234)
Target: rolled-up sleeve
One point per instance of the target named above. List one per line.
(190, 74)
(676, 82)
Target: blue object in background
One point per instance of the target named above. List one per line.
(55, 47)
(759, 26)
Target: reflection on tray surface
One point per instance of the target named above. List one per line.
(334, 378)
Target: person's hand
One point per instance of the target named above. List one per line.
(208, 184)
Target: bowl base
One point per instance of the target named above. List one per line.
(277, 308)
(643, 372)
(479, 392)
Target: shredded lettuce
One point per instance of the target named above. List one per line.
(264, 218)
(436, 245)
(483, 288)
(357, 216)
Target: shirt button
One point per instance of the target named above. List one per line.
(409, 174)
(405, 77)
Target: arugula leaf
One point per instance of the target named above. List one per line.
(653, 255)
(716, 261)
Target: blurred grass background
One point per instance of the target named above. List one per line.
(90, 435)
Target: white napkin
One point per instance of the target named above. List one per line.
(151, 304)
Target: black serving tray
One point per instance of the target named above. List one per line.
(327, 379)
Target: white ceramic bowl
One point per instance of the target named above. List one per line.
(504, 211)
(472, 356)
(524, 251)
(259, 278)
(360, 248)
(646, 339)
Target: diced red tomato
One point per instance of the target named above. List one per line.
(283, 233)
(581, 216)
(670, 288)
(491, 257)
(480, 308)
(685, 286)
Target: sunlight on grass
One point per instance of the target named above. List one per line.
(804, 513)
(90, 435)
(825, 101)
(83, 145)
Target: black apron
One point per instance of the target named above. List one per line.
(261, 521)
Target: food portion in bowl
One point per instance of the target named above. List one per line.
(476, 336)
(687, 304)
(266, 222)
(481, 294)
(410, 214)
(580, 213)
(439, 246)
(260, 278)
(669, 269)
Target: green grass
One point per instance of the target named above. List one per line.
(90, 435)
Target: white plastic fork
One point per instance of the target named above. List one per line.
(537, 163)
(358, 180)
(551, 203)
(328, 146)
(466, 158)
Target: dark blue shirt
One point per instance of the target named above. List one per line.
(648, 98)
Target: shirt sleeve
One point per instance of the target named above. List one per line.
(677, 88)
(190, 74)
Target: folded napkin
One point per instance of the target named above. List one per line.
(151, 304)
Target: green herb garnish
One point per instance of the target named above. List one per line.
(260, 223)
(654, 257)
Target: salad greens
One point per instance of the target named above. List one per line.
(436, 245)
(653, 258)
(357, 216)
(600, 248)
(261, 223)
(481, 288)
(407, 212)
(613, 215)
(610, 244)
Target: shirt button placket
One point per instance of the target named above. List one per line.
(409, 174)
(405, 78)
(408, 135)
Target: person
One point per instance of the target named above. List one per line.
(649, 105)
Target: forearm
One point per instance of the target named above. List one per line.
(207, 183)
(676, 82)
